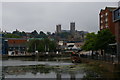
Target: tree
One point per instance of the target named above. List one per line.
(16, 33)
(99, 41)
(104, 38)
(41, 45)
(34, 34)
(90, 42)
(48, 33)
(23, 33)
(11, 36)
(42, 35)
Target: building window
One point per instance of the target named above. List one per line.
(106, 20)
(106, 25)
(101, 27)
(101, 16)
(101, 21)
(106, 14)
(119, 13)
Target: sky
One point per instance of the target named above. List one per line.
(44, 16)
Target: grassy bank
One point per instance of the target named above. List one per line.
(106, 70)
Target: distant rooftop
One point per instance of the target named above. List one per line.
(40, 39)
(16, 38)
(73, 41)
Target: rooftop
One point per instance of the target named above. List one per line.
(73, 41)
(16, 39)
(109, 8)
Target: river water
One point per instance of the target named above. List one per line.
(46, 68)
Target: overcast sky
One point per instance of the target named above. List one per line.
(44, 16)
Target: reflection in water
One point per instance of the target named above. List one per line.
(31, 61)
(48, 68)
(58, 76)
(41, 68)
(40, 71)
(72, 76)
(39, 59)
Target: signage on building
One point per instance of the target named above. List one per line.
(116, 14)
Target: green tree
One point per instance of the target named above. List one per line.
(41, 45)
(11, 36)
(42, 35)
(90, 43)
(34, 34)
(99, 41)
(48, 33)
(23, 33)
(18, 33)
(104, 38)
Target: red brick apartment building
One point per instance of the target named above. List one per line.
(106, 19)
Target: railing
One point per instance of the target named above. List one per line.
(108, 58)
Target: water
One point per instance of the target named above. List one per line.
(51, 68)
(45, 68)
(23, 63)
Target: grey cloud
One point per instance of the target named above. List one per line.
(28, 16)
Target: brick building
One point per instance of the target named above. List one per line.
(16, 46)
(106, 19)
(116, 20)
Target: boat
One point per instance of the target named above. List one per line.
(75, 57)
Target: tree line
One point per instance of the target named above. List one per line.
(44, 45)
(33, 34)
